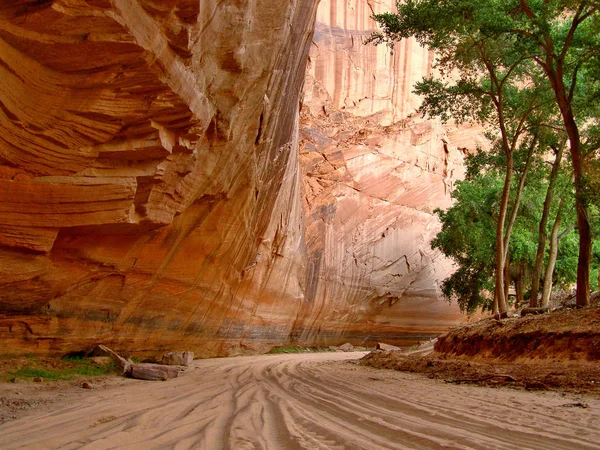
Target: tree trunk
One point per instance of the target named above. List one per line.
(519, 286)
(500, 306)
(547, 290)
(585, 254)
(583, 223)
(495, 306)
(542, 231)
(502, 236)
(507, 281)
(577, 159)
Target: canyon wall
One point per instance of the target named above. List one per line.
(149, 183)
(374, 171)
(163, 187)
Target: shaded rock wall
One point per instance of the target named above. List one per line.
(374, 171)
(149, 190)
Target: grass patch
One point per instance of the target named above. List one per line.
(296, 349)
(290, 349)
(69, 368)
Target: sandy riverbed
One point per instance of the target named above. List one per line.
(301, 401)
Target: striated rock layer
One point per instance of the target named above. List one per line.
(151, 196)
(149, 190)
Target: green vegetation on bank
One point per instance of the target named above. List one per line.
(30, 368)
(297, 349)
(290, 349)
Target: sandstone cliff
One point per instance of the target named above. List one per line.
(148, 172)
(151, 190)
(374, 171)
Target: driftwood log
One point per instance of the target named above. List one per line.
(150, 372)
(124, 364)
(153, 372)
(387, 347)
(534, 311)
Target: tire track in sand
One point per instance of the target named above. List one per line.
(306, 401)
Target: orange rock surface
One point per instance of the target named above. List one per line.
(148, 155)
(154, 196)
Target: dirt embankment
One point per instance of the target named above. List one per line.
(567, 335)
(556, 351)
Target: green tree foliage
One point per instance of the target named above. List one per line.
(468, 234)
(468, 238)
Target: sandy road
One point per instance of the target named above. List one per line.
(306, 401)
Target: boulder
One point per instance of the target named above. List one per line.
(100, 360)
(347, 347)
(178, 358)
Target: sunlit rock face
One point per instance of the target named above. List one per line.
(149, 184)
(373, 172)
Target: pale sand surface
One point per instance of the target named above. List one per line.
(305, 401)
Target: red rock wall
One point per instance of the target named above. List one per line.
(149, 190)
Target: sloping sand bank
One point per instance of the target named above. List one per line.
(306, 401)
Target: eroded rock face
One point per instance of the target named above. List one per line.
(149, 190)
(374, 171)
(154, 196)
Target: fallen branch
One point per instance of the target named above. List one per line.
(153, 372)
(534, 311)
(575, 405)
(125, 365)
(487, 377)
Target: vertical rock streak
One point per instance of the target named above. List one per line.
(374, 171)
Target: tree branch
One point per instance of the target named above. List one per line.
(565, 232)
(526, 9)
(572, 29)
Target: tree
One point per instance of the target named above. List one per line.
(489, 83)
(468, 238)
(561, 37)
(468, 230)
